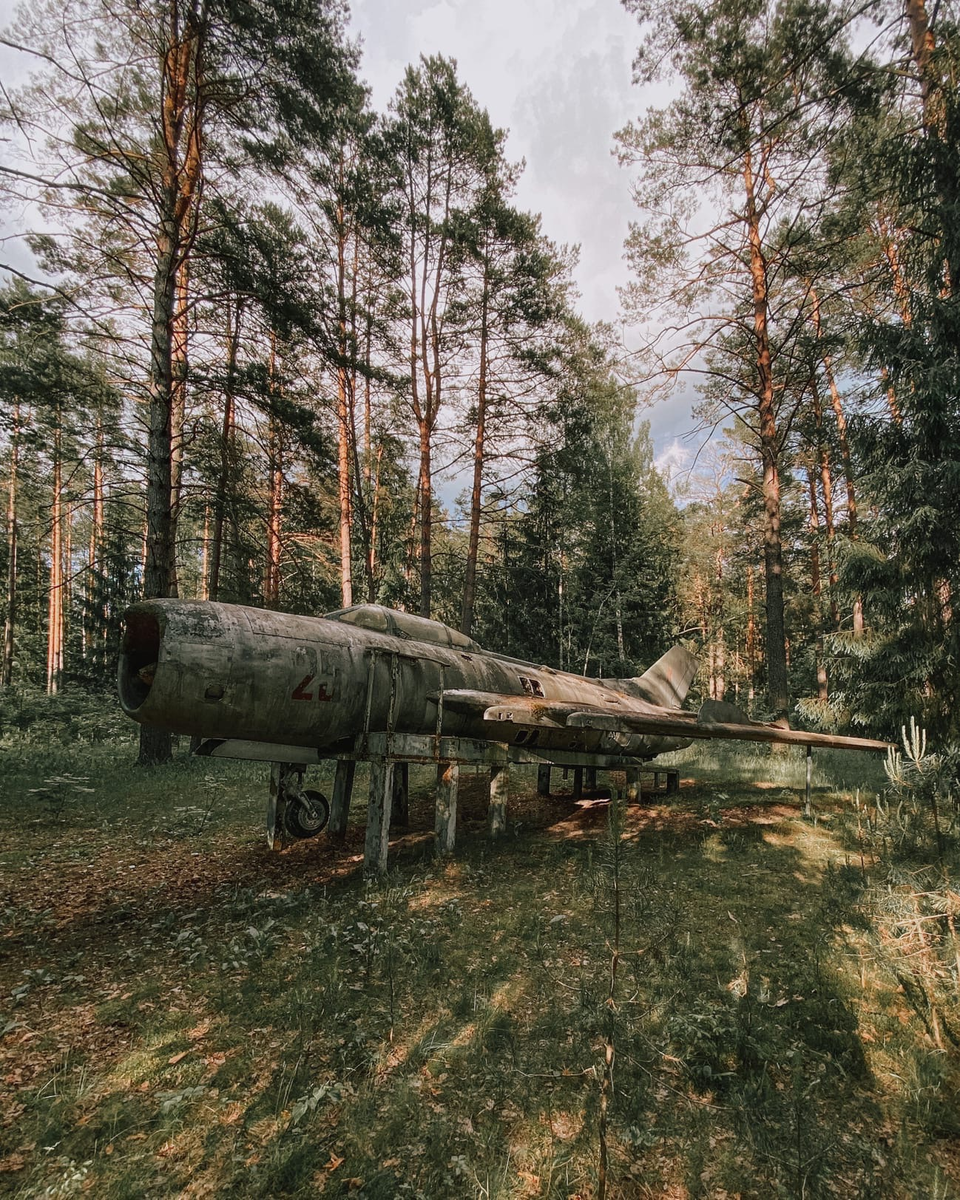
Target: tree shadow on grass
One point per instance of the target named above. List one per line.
(444, 1031)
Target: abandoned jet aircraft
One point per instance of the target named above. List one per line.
(368, 682)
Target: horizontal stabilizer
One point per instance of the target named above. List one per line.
(666, 683)
(717, 719)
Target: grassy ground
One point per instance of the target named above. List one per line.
(184, 1014)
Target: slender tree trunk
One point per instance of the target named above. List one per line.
(373, 532)
(816, 584)
(426, 519)
(96, 615)
(205, 556)
(271, 578)
(751, 647)
(10, 624)
(719, 687)
(476, 495)
(846, 463)
(226, 442)
(55, 593)
(776, 654)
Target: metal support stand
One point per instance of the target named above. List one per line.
(590, 779)
(499, 786)
(543, 779)
(378, 817)
(577, 783)
(340, 801)
(448, 782)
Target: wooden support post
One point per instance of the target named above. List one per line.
(499, 787)
(340, 800)
(543, 779)
(673, 782)
(590, 778)
(276, 805)
(577, 782)
(633, 785)
(378, 817)
(448, 782)
(807, 807)
(400, 810)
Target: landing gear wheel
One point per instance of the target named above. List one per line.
(306, 815)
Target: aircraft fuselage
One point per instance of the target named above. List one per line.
(227, 671)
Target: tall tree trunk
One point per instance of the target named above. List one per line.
(751, 646)
(10, 623)
(816, 583)
(344, 408)
(344, 486)
(922, 47)
(55, 592)
(181, 76)
(426, 519)
(271, 577)
(846, 463)
(226, 441)
(205, 556)
(371, 556)
(476, 495)
(775, 625)
(178, 408)
(719, 684)
(96, 615)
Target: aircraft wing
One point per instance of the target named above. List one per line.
(715, 719)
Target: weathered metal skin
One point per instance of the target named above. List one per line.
(227, 671)
(222, 671)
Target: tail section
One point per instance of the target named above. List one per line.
(667, 682)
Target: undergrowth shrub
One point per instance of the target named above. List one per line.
(908, 843)
(73, 715)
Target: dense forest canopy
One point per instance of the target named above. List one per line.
(269, 324)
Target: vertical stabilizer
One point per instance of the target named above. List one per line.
(667, 682)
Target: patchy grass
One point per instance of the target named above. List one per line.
(185, 1014)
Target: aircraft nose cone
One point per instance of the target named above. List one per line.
(139, 655)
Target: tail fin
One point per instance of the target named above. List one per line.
(667, 681)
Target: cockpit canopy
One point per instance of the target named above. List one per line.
(403, 625)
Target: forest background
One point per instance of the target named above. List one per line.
(267, 323)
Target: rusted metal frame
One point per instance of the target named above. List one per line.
(392, 703)
(421, 748)
(439, 725)
(373, 654)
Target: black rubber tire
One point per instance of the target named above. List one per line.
(306, 816)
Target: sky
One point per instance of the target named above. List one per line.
(556, 75)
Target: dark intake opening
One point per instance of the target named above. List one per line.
(139, 653)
